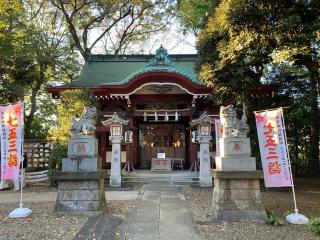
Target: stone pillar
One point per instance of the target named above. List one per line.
(205, 167)
(115, 177)
(81, 182)
(115, 123)
(236, 196)
(236, 192)
(81, 193)
(203, 124)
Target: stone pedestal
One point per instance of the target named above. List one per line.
(82, 155)
(234, 146)
(235, 155)
(81, 193)
(238, 163)
(205, 167)
(81, 164)
(82, 146)
(81, 182)
(236, 196)
(115, 176)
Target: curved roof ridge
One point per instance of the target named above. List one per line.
(167, 69)
(161, 63)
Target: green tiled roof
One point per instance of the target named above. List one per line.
(119, 70)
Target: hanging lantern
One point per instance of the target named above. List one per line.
(128, 136)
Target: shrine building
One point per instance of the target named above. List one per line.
(159, 95)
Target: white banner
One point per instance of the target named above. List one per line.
(273, 149)
(218, 131)
(11, 125)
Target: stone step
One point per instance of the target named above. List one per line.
(180, 178)
(160, 179)
(179, 182)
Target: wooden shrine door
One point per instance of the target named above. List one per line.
(168, 138)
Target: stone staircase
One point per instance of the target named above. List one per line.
(147, 176)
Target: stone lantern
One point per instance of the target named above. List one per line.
(203, 124)
(116, 125)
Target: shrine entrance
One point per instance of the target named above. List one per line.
(166, 138)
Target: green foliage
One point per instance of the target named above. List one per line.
(231, 54)
(55, 161)
(193, 14)
(12, 62)
(72, 104)
(273, 219)
(314, 225)
(293, 92)
(246, 43)
(34, 52)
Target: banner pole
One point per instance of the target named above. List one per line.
(22, 156)
(289, 162)
(294, 218)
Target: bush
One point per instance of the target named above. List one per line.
(273, 219)
(314, 225)
(55, 162)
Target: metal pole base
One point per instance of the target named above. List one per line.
(20, 213)
(296, 218)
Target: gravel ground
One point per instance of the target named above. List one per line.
(43, 224)
(120, 208)
(45, 187)
(279, 201)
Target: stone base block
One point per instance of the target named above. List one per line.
(79, 213)
(82, 146)
(205, 181)
(235, 146)
(81, 193)
(115, 180)
(236, 196)
(81, 164)
(241, 163)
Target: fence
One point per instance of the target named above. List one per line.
(35, 177)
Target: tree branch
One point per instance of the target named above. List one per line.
(110, 27)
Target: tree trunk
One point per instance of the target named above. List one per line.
(33, 103)
(314, 164)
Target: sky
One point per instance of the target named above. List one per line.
(173, 40)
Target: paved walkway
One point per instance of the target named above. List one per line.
(161, 214)
(12, 197)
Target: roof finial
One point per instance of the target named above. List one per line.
(161, 58)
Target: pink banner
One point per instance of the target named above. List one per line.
(273, 149)
(11, 124)
(218, 131)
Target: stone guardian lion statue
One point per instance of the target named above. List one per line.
(232, 126)
(86, 124)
